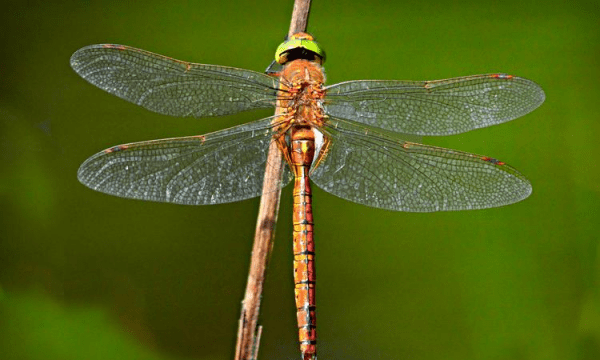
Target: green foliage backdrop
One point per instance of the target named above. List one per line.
(84, 275)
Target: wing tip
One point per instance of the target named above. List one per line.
(539, 92)
(74, 59)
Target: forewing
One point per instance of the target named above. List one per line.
(380, 171)
(220, 167)
(440, 107)
(173, 87)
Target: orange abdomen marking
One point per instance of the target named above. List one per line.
(302, 153)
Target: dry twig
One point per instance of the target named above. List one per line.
(249, 332)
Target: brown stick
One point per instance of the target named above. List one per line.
(299, 21)
(249, 332)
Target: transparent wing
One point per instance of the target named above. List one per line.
(170, 86)
(220, 167)
(384, 172)
(440, 107)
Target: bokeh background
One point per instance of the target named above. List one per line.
(84, 275)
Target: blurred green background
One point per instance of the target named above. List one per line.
(84, 275)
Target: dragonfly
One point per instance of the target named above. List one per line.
(349, 139)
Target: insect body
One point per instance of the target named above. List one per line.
(337, 135)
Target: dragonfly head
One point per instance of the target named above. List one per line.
(299, 46)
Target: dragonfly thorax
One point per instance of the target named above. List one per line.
(301, 102)
(302, 92)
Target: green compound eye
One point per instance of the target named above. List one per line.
(303, 46)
